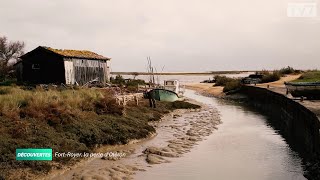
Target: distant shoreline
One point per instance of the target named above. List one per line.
(181, 73)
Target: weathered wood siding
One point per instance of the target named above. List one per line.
(107, 71)
(81, 71)
(69, 72)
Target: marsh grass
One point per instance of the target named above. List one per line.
(271, 77)
(289, 70)
(68, 121)
(229, 84)
(222, 80)
(232, 85)
(309, 76)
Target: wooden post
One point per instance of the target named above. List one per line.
(136, 100)
(124, 100)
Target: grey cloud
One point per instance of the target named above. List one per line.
(183, 35)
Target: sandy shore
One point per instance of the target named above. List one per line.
(207, 89)
(177, 133)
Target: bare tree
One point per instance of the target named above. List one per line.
(9, 51)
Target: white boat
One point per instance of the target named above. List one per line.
(175, 86)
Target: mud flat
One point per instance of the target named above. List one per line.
(177, 134)
(244, 147)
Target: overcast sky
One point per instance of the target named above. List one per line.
(182, 35)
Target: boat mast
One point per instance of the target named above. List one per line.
(150, 71)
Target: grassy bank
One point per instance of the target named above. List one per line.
(309, 76)
(68, 121)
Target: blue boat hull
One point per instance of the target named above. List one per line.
(165, 95)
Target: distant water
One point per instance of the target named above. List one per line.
(184, 78)
(243, 148)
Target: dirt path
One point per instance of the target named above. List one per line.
(280, 83)
(206, 89)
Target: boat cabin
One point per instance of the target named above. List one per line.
(174, 85)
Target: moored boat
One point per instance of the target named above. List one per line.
(252, 79)
(175, 86)
(171, 91)
(310, 90)
(164, 95)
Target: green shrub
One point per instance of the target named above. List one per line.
(271, 77)
(131, 84)
(222, 80)
(232, 85)
(288, 70)
(135, 82)
(228, 83)
(117, 80)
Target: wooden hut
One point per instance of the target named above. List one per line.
(47, 65)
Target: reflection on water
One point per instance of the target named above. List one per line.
(244, 147)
